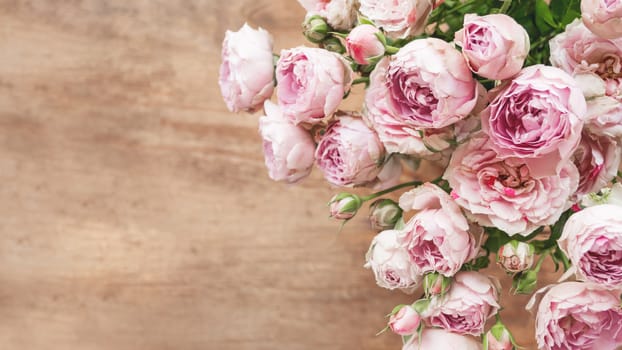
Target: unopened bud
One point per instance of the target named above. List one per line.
(333, 44)
(436, 284)
(383, 214)
(344, 205)
(498, 338)
(364, 45)
(516, 256)
(405, 321)
(525, 282)
(315, 28)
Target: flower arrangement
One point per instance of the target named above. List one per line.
(519, 101)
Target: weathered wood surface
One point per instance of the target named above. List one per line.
(136, 212)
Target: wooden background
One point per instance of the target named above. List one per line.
(135, 211)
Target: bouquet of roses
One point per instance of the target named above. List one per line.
(519, 102)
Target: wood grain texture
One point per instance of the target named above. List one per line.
(136, 212)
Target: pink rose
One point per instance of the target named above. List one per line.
(437, 237)
(430, 84)
(498, 338)
(504, 193)
(343, 206)
(349, 153)
(603, 17)
(399, 19)
(340, 14)
(597, 158)
(604, 116)
(577, 50)
(437, 339)
(246, 71)
(591, 239)
(495, 46)
(394, 132)
(405, 322)
(574, 315)
(538, 118)
(288, 149)
(391, 264)
(362, 43)
(472, 299)
(311, 83)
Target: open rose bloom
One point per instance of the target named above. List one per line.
(484, 135)
(576, 315)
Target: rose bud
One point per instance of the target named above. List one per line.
(603, 18)
(406, 321)
(334, 45)
(515, 256)
(247, 71)
(383, 214)
(525, 282)
(315, 28)
(344, 206)
(495, 46)
(498, 338)
(436, 284)
(363, 45)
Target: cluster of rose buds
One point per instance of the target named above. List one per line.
(527, 127)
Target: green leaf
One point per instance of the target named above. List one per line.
(476, 264)
(544, 18)
(496, 239)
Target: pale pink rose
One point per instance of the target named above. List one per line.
(604, 116)
(311, 83)
(495, 46)
(350, 153)
(339, 14)
(399, 19)
(246, 72)
(391, 264)
(579, 316)
(437, 238)
(394, 132)
(437, 339)
(421, 124)
(597, 158)
(603, 17)
(591, 239)
(538, 117)
(362, 43)
(504, 193)
(472, 299)
(343, 206)
(577, 50)
(405, 322)
(430, 84)
(288, 149)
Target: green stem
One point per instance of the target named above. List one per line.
(390, 50)
(506, 6)
(543, 255)
(391, 189)
(360, 80)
